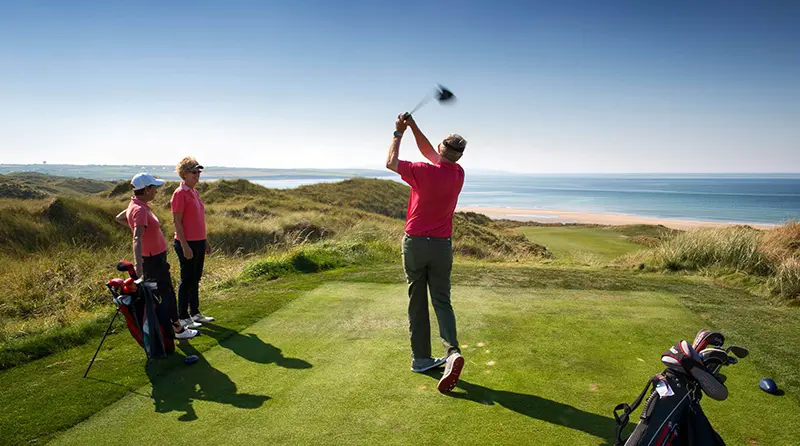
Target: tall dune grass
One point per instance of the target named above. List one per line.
(772, 254)
(736, 248)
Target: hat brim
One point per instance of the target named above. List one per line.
(155, 183)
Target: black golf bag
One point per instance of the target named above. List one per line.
(147, 320)
(669, 420)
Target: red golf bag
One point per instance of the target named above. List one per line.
(147, 320)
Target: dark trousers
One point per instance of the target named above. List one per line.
(191, 272)
(156, 269)
(428, 262)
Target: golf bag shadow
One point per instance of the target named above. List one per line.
(671, 420)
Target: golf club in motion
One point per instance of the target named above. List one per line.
(440, 93)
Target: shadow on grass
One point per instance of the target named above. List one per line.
(536, 407)
(130, 389)
(179, 388)
(251, 347)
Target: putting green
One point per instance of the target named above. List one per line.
(579, 242)
(332, 367)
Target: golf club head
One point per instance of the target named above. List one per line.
(712, 356)
(705, 338)
(127, 266)
(738, 351)
(677, 354)
(711, 386)
(129, 286)
(115, 283)
(444, 95)
(683, 357)
(441, 94)
(672, 363)
(115, 286)
(732, 360)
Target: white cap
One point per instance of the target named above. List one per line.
(142, 180)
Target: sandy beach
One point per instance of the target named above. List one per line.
(559, 216)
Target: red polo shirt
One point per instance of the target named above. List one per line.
(188, 202)
(434, 195)
(139, 214)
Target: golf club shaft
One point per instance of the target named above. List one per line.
(424, 101)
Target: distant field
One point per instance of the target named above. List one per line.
(573, 242)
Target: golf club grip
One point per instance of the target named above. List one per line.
(406, 115)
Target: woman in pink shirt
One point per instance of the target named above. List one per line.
(149, 246)
(188, 213)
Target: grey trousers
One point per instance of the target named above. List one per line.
(428, 262)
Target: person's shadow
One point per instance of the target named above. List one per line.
(536, 407)
(251, 347)
(175, 390)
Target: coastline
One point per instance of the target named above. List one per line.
(561, 216)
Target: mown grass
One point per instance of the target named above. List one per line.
(315, 363)
(579, 244)
(45, 396)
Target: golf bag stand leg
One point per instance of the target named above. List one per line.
(101, 342)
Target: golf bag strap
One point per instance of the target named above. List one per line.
(623, 418)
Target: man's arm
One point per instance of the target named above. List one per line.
(424, 146)
(393, 158)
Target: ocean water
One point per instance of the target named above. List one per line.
(770, 199)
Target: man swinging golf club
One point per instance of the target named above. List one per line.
(427, 247)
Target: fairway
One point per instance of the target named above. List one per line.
(544, 366)
(575, 242)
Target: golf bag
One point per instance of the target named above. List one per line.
(671, 415)
(147, 320)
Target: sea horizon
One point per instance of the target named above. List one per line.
(725, 197)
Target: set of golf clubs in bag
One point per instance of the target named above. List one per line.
(672, 415)
(140, 304)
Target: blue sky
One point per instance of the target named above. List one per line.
(543, 87)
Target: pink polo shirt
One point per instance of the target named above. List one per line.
(188, 202)
(139, 214)
(434, 195)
